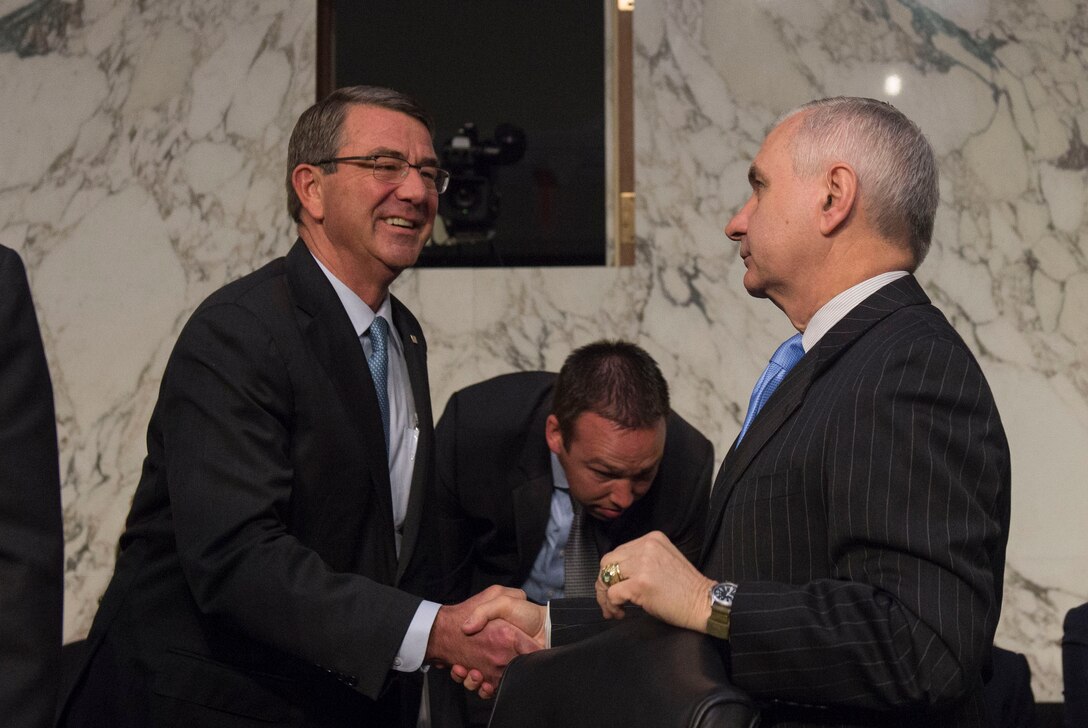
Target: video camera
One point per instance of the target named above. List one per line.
(470, 206)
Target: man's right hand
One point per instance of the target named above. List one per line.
(528, 617)
(490, 646)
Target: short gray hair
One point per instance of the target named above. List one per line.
(317, 133)
(896, 168)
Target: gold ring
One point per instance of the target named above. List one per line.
(610, 575)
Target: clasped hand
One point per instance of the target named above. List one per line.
(480, 636)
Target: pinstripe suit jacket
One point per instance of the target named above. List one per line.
(864, 517)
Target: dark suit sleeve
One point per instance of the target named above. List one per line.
(915, 469)
(451, 547)
(31, 541)
(690, 482)
(454, 542)
(229, 436)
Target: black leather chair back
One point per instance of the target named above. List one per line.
(642, 672)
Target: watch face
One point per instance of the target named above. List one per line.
(723, 593)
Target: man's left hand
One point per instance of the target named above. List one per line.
(658, 578)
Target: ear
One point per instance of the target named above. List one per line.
(842, 191)
(307, 181)
(553, 434)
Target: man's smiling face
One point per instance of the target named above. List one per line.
(383, 225)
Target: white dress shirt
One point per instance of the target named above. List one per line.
(546, 578)
(404, 438)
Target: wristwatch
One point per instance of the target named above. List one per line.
(721, 604)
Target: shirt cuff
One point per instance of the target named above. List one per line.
(413, 648)
(548, 626)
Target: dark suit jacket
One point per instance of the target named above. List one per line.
(31, 538)
(864, 517)
(258, 578)
(1075, 666)
(1009, 700)
(495, 485)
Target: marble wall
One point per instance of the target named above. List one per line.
(143, 148)
(142, 152)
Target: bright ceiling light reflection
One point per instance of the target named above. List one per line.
(893, 85)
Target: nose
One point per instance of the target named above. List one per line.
(412, 188)
(623, 494)
(738, 225)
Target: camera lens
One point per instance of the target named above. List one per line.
(466, 196)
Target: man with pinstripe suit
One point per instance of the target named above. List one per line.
(852, 567)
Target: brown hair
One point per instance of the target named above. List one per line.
(614, 379)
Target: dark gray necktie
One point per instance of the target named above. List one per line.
(581, 558)
(378, 361)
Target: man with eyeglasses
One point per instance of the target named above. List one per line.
(269, 566)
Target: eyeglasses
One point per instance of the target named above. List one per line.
(395, 170)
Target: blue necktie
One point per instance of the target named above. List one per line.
(785, 356)
(378, 361)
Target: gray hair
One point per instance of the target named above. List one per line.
(896, 168)
(317, 133)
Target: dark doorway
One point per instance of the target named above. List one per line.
(517, 91)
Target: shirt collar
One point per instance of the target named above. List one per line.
(559, 477)
(358, 311)
(836, 309)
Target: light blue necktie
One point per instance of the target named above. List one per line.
(378, 361)
(785, 356)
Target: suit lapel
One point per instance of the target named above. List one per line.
(532, 487)
(783, 403)
(415, 359)
(791, 393)
(332, 341)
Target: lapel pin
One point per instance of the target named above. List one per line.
(413, 338)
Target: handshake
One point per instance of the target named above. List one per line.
(479, 637)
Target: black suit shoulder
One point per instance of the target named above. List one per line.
(249, 287)
(507, 400)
